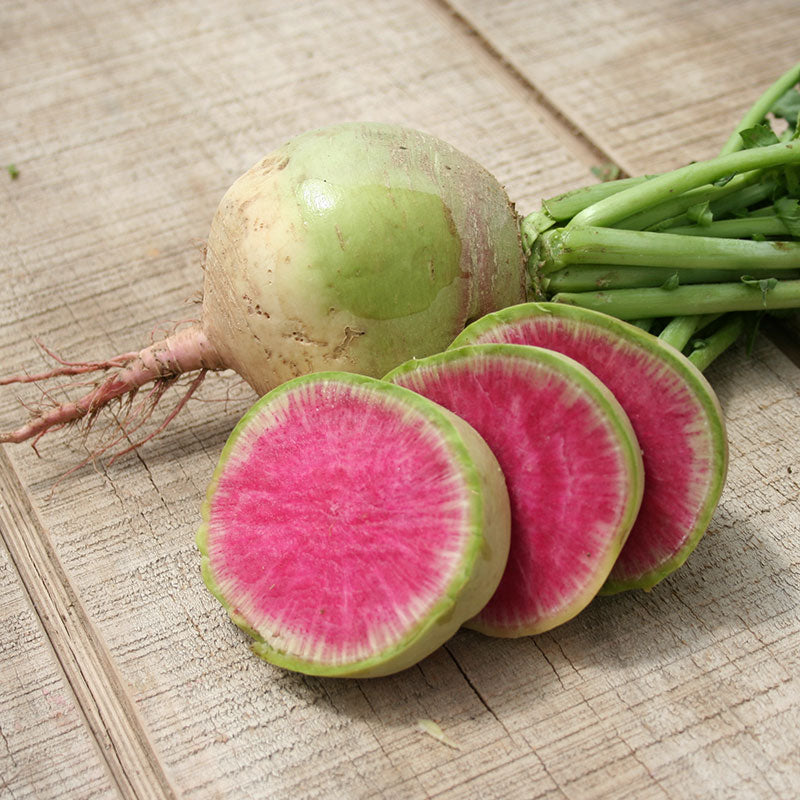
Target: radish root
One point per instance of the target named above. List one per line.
(161, 364)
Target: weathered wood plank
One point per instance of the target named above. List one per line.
(654, 87)
(45, 748)
(126, 136)
(106, 708)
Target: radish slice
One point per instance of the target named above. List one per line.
(572, 466)
(351, 526)
(673, 409)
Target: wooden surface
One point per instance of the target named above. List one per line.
(120, 675)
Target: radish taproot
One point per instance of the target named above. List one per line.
(572, 466)
(351, 525)
(353, 247)
(674, 411)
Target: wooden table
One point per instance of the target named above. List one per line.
(120, 675)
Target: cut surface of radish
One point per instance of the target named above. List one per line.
(351, 526)
(673, 409)
(572, 466)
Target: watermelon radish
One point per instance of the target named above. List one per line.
(673, 409)
(353, 247)
(572, 466)
(351, 526)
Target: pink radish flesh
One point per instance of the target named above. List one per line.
(673, 410)
(571, 464)
(342, 524)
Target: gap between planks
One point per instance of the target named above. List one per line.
(99, 690)
(568, 132)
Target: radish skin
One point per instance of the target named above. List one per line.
(351, 248)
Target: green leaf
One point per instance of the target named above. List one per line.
(788, 107)
(700, 214)
(606, 172)
(758, 136)
(764, 284)
(723, 181)
(791, 174)
(13, 171)
(671, 283)
(788, 210)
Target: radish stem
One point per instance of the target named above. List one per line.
(648, 193)
(704, 298)
(645, 324)
(742, 191)
(679, 330)
(737, 228)
(708, 349)
(565, 206)
(589, 278)
(594, 245)
(761, 108)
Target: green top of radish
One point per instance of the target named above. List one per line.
(356, 247)
(351, 526)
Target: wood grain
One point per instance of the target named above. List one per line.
(127, 122)
(105, 706)
(45, 748)
(653, 87)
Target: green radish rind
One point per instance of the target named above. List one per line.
(617, 420)
(483, 558)
(679, 364)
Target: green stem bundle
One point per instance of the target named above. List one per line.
(716, 237)
(562, 247)
(623, 204)
(702, 298)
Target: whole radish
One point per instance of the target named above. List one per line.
(352, 248)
